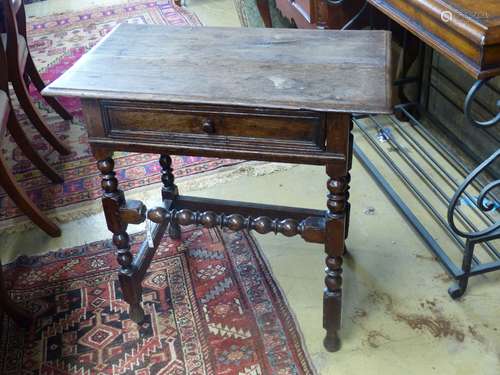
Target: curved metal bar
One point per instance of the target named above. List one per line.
(468, 106)
(481, 203)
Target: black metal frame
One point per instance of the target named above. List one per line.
(478, 236)
(468, 106)
(466, 241)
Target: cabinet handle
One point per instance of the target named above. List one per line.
(208, 126)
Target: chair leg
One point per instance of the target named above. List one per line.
(29, 107)
(14, 191)
(40, 85)
(21, 317)
(25, 145)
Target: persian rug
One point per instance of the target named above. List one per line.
(56, 43)
(212, 308)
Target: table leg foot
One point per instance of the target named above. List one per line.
(332, 342)
(457, 290)
(332, 303)
(137, 313)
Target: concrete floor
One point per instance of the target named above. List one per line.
(398, 318)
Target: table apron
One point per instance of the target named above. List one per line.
(108, 145)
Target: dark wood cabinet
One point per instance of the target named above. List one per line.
(309, 14)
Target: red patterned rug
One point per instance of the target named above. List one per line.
(212, 308)
(56, 43)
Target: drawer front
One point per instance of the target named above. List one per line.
(208, 125)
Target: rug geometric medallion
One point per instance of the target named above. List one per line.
(212, 307)
(56, 43)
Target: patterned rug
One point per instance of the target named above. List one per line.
(56, 43)
(212, 308)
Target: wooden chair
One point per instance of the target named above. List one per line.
(9, 122)
(22, 70)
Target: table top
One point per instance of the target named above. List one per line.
(465, 31)
(322, 70)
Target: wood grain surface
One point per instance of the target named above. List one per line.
(465, 31)
(322, 70)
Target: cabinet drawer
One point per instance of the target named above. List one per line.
(183, 123)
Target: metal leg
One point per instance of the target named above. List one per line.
(457, 290)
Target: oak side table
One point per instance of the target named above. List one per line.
(255, 94)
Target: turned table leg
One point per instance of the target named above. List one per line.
(334, 247)
(113, 202)
(169, 191)
(339, 140)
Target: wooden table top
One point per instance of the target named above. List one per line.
(465, 31)
(323, 70)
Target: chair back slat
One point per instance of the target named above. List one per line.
(4, 75)
(13, 13)
(17, 4)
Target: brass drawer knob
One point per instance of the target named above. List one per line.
(208, 126)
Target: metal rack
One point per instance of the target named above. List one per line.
(410, 150)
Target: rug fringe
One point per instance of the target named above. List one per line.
(151, 193)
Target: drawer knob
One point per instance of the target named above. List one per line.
(208, 126)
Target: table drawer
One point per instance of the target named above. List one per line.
(183, 123)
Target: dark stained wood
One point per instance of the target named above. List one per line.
(465, 31)
(21, 66)
(229, 93)
(265, 12)
(169, 192)
(339, 140)
(8, 181)
(206, 147)
(14, 127)
(321, 70)
(165, 120)
(133, 212)
(113, 202)
(15, 192)
(244, 208)
(309, 228)
(28, 149)
(309, 14)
